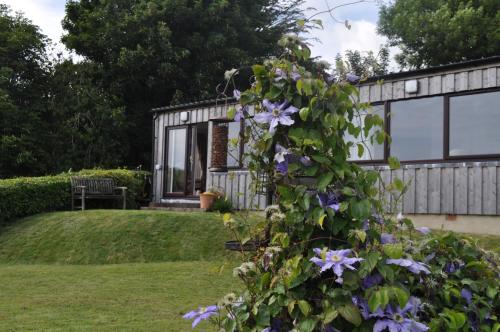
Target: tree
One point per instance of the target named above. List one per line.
(154, 53)
(436, 32)
(363, 65)
(24, 77)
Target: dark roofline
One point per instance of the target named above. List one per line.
(201, 103)
(435, 69)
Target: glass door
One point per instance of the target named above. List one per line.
(176, 161)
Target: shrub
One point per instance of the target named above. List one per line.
(222, 204)
(25, 196)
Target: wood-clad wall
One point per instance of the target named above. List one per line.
(458, 188)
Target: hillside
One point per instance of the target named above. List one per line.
(113, 236)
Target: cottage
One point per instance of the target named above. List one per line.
(444, 123)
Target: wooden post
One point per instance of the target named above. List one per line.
(83, 199)
(124, 196)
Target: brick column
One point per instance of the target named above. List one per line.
(219, 146)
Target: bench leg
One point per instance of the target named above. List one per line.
(72, 202)
(83, 199)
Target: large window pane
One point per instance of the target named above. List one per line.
(176, 160)
(417, 129)
(233, 151)
(371, 151)
(474, 124)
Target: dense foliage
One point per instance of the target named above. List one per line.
(363, 65)
(25, 196)
(437, 32)
(154, 53)
(332, 260)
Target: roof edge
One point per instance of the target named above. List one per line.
(201, 103)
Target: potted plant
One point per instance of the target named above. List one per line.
(208, 198)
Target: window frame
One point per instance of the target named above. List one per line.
(241, 146)
(446, 132)
(447, 128)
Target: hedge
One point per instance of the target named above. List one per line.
(26, 196)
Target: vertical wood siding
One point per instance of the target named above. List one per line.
(460, 188)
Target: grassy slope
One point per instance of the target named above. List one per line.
(113, 236)
(125, 297)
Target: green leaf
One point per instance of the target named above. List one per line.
(379, 298)
(361, 150)
(360, 210)
(320, 159)
(454, 319)
(393, 163)
(321, 219)
(304, 113)
(324, 180)
(329, 315)
(307, 325)
(231, 112)
(351, 314)
(401, 296)
(304, 307)
(394, 251)
(263, 316)
(291, 306)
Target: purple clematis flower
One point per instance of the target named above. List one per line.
(282, 158)
(387, 238)
(282, 75)
(329, 200)
(467, 295)
(423, 230)
(201, 314)
(276, 114)
(371, 281)
(392, 318)
(336, 260)
(352, 78)
(410, 264)
(452, 267)
(306, 161)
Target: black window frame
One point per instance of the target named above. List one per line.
(446, 132)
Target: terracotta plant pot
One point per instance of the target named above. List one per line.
(207, 200)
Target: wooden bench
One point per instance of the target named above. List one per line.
(95, 188)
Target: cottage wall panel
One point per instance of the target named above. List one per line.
(409, 197)
(421, 190)
(398, 90)
(489, 77)
(489, 190)
(434, 191)
(447, 185)
(375, 92)
(364, 93)
(448, 83)
(460, 190)
(435, 85)
(398, 174)
(387, 91)
(475, 79)
(474, 199)
(461, 81)
(385, 176)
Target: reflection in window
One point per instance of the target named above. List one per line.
(176, 160)
(233, 150)
(373, 151)
(417, 129)
(474, 121)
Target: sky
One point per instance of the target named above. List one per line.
(334, 38)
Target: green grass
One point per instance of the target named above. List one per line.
(113, 236)
(125, 297)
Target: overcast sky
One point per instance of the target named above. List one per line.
(334, 38)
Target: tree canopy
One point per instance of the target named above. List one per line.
(154, 53)
(436, 32)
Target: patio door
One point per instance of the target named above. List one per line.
(186, 160)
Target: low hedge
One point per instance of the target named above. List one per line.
(20, 197)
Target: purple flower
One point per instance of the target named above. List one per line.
(330, 78)
(352, 78)
(387, 238)
(423, 230)
(410, 264)
(282, 75)
(371, 281)
(429, 257)
(201, 314)
(241, 111)
(329, 200)
(336, 260)
(276, 114)
(237, 94)
(365, 225)
(393, 318)
(282, 158)
(306, 161)
(452, 267)
(467, 295)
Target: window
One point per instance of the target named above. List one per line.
(416, 129)
(474, 124)
(234, 150)
(373, 151)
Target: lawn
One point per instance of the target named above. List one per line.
(112, 270)
(124, 297)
